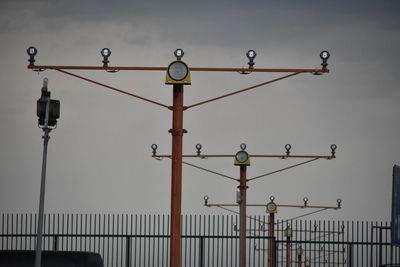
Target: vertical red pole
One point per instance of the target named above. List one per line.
(243, 191)
(288, 252)
(271, 234)
(177, 132)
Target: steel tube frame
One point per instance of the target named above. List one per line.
(117, 68)
(253, 156)
(278, 205)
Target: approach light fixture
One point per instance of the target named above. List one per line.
(32, 51)
(288, 147)
(198, 148)
(271, 206)
(105, 52)
(339, 203)
(179, 53)
(178, 73)
(305, 199)
(288, 231)
(324, 56)
(206, 200)
(154, 148)
(242, 157)
(251, 55)
(333, 149)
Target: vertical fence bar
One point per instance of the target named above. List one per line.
(62, 232)
(350, 257)
(217, 260)
(380, 245)
(162, 244)
(55, 243)
(222, 240)
(108, 240)
(128, 252)
(7, 231)
(140, 241)
(26, 231)
(19, 238)
(144, 240)
(357, 247)
(154, 240)
(2, 231)
(201, 252)
(184, 243)
(158, 240)
(116, 242)
(149, 243)
(12, 230)
(195, 251)
(90, 232)
(362, 240)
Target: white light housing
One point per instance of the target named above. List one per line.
(105, 52)
(32, 51)
(324, 55)
(179, 53)
(251, 54)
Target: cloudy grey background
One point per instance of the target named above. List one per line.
(100, 157)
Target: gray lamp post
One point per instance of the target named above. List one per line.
(48, 111)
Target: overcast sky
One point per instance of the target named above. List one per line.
(99, 158)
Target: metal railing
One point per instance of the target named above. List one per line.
(207, 240)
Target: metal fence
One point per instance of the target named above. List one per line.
(207, 240)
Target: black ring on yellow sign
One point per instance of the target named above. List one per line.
(187, 70)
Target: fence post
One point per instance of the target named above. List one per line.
(55, 242)
(380, 246)
(201, 252)
(350, 255)
(128, 252)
